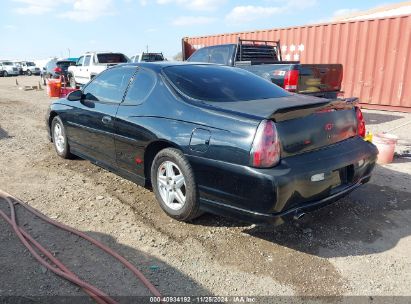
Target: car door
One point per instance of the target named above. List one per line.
(131, 135)
(90, 124)
(84, 73)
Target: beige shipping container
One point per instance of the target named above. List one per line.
(375, 54)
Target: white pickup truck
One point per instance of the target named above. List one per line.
(91, 64)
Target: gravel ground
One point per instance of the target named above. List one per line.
(358, 246)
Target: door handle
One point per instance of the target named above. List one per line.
(106, 119)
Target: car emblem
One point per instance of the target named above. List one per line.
(328, 127)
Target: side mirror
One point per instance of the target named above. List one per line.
(75, 95)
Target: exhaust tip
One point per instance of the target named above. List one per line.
(299, 215)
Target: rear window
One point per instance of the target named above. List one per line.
(221, 84)
(111, 58)
(152, 57)
(63, 64)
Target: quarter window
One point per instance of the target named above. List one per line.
(140, 88)
(109, 86)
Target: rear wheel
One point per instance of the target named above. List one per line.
(174, 185)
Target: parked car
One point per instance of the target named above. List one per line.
(214, 138)
(55, 69)
(91, 64)
(29, 68)
(147, 57)
(263, 58)
(8, 68)
(19, 67)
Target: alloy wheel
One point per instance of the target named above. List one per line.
(58, 137)
(171, 184)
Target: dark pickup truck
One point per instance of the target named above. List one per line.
(263, 58)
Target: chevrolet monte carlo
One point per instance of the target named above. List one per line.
(211, 138)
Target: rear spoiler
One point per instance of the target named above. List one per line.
(288, 113)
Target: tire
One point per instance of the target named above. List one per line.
(29, 73)
(5, 74)
(182, 210)
(58, 133)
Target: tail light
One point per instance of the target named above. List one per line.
(291, 80)
(265, 151)
(57, 70)
(360, 122)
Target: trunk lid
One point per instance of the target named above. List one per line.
(304, 123)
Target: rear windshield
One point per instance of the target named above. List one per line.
(111, 58)
(64, 64)
(152, 57)
(221, 84)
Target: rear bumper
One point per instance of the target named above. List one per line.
(280, 217)
(275, 194)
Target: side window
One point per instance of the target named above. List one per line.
(220, 54)
(87, 60)
(200, 55)
(141, 87)
(137, 58)
(110, 85)
(80, 61)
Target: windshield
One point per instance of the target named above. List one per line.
(30, 64)
(152, 57)
(221, 84)
(7, 63)
(112, 58)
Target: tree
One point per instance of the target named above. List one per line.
(178, 57)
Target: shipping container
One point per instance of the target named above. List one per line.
(375, 54)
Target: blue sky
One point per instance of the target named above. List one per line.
(37, 29)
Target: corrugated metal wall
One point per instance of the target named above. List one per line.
(376, 55)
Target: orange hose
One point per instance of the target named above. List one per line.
(64, 272)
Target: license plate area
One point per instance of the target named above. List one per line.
(342, 177)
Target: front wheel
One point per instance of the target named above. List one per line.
(60, 138)
(5, 74)
(29, 73)
(174, 185)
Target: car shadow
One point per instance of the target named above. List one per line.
(22, 276)
(371, 219)
(378, 118)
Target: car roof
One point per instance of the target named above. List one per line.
(158, 65)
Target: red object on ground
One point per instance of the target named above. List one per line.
(53, 87)
(59, 268)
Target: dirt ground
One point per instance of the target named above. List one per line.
(358, 246)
